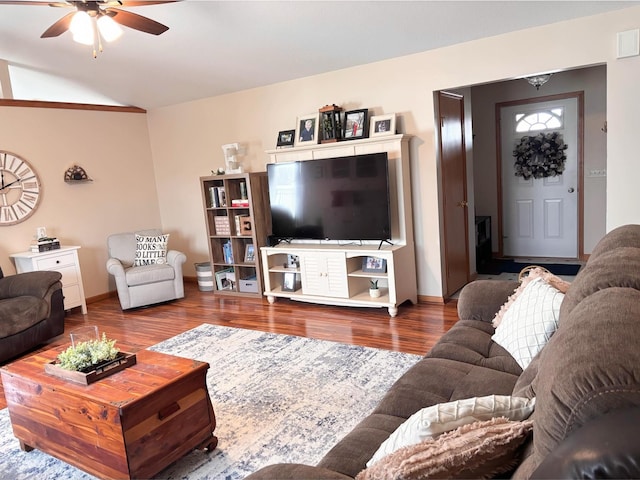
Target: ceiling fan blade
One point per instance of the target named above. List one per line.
(137, 22)
(142, 3)
(59, 27)
(34, 2)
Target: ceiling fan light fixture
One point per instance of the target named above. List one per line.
(108, 28)
(538, 80)
(82, 28)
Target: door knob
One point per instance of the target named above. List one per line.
(463, 203)
(571, 190)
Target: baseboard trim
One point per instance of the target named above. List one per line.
(102, 296)
(431, 299)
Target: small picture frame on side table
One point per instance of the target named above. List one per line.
(307, 130)
(383, 125)
(355, 124)
(250, 253)
(374, 265)
(290, 282)
(285, 138)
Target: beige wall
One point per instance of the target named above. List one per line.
(186, 138)
(114, 150)
(142, 179)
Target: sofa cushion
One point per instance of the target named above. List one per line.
(529, 323)
(616, 268)
(35, 284)
(431, 422)
(590, 367)
(537, 272)
(480, 300)
(470, 342)
(21, 313)
(439, 380)
(149, 274)
(351, 454)
(478, 450)
(624, 236)
(428, 382)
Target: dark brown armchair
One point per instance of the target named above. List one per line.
(31, 311)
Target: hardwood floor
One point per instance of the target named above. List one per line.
(414, 330)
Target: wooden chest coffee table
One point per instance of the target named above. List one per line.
(132, 424)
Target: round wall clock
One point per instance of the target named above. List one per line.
(20, 189)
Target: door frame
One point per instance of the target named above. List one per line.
(579, 96)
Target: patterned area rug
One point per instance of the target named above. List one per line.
(277, 398)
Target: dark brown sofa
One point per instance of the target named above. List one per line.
(31, 311)
(588, 373)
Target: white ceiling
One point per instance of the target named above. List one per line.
(218, 47)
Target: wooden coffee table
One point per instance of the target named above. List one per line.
(132, 424)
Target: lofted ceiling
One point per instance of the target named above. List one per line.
(218, 47)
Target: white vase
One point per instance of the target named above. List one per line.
(374, 292)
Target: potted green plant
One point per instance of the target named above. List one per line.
(374, 291)
(89, 361)
(86, 356)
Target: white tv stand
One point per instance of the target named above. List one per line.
(331, 273)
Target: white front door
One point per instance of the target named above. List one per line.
(540, 215)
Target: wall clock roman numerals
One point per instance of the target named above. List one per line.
(20, 189)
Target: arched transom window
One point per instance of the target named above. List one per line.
(551, 119)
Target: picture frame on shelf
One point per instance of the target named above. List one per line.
(355, 124)
(226, 279)
(293, 261)
(307, 130)
(383, 125)
(290, 282)
(250, 253)
(374, 265)
(286, 138)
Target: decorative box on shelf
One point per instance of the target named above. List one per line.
(222, 225)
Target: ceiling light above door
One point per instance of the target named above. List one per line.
(538, 80)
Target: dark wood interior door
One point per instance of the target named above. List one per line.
(454, 190)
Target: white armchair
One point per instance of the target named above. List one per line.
(138, 286)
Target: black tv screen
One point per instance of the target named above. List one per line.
(343, 198)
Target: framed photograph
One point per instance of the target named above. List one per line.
(355, 124)
(285, 138)
(374, 265)
(289, 283)
(226, 279)
(307, 130)
(383, 125)
(293, 261)
(250, 253)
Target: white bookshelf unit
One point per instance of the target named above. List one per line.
(330, 272)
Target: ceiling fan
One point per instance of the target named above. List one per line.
(92, 20)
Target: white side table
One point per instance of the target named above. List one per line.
(64, 260)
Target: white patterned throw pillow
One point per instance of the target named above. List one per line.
(151, 249)
(432, 421)
(530, 321)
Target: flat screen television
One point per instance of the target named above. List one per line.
(342, 198)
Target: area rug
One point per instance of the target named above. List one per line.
(497, 266)
(277, 398)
